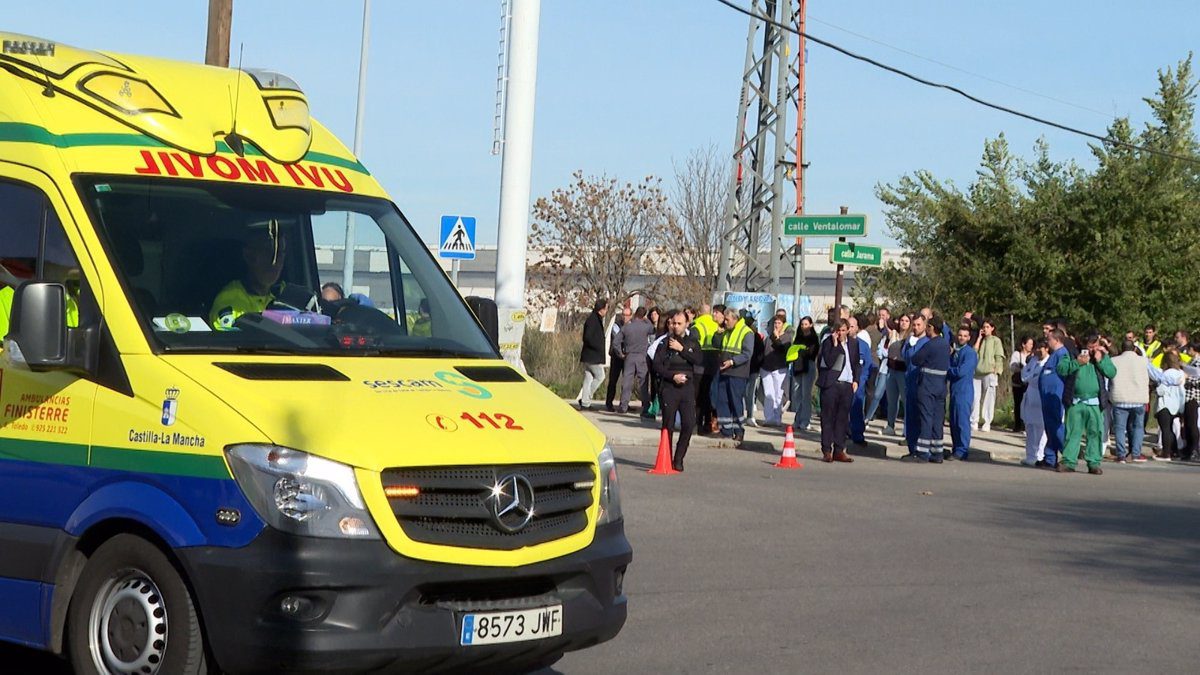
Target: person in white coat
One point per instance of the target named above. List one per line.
(1031, 405)
(1170, 379)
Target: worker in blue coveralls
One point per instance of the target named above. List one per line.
(1050, 388)
(933, 362)
(912, 379)
(962, 393)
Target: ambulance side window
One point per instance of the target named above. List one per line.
(33, 246)
(418, 317)
(21, 210)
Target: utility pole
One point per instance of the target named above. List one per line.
(798, 250)
(841, 273)
(512, 236)
(220, 19)
(762, 154)
(348, 251)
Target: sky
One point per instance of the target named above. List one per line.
(628, 88)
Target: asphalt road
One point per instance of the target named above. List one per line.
(881, 566)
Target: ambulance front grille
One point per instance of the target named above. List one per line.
(452, 505)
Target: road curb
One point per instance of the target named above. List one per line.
(632, 430)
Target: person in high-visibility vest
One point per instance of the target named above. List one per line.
(705, 329)
(737, 347)
(802, 356)
(778, 342)
(6, 301)
(1182, 340)
(1150, 346)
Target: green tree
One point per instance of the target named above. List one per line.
(1112, 248)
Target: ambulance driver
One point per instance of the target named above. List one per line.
(263, 255)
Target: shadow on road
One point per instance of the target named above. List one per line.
(634, 463)
(21, 660)
(1152, 543)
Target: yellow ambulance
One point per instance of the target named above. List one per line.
(206, 465)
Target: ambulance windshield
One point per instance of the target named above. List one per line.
(213, 267)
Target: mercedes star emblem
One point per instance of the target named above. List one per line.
(511, 503)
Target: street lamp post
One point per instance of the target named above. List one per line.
(348, 260)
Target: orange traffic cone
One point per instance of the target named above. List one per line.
(788, 459)
(662, 466)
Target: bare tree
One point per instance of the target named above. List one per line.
(696, 222)
(595, 235)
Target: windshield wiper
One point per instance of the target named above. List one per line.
(429, 351)
(235, 349)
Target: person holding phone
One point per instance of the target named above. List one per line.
(675, 362)
(838, 371)
(1083, 413)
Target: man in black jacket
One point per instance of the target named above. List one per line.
(675, 362)
(592, 354)
(837, 378)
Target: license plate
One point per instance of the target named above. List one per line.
(496, 627)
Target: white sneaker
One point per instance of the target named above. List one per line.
(985, 429)
(751, 423)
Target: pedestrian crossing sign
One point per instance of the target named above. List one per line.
(458, 238)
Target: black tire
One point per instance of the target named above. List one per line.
(129, 587)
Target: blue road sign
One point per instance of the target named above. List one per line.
(458, 238)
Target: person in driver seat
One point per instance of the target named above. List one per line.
(263, 255)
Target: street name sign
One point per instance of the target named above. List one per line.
(850, 253)
(849, 225)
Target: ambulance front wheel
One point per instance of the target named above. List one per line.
(132, 614)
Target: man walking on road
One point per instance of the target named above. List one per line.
(675, 361)
(633, 341)
(737, 347)
(838, 371)
(962, 394)
(616, 364)
(592, 354)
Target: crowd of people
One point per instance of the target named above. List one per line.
(702, 370)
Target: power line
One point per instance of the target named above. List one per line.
(951, 66)
(974, 99)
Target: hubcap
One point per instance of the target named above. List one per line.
(128, 625)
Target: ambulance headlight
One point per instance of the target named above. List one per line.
(610, 489)
(300, 493)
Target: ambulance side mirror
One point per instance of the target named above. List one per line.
(38, 336)
(488, 315)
